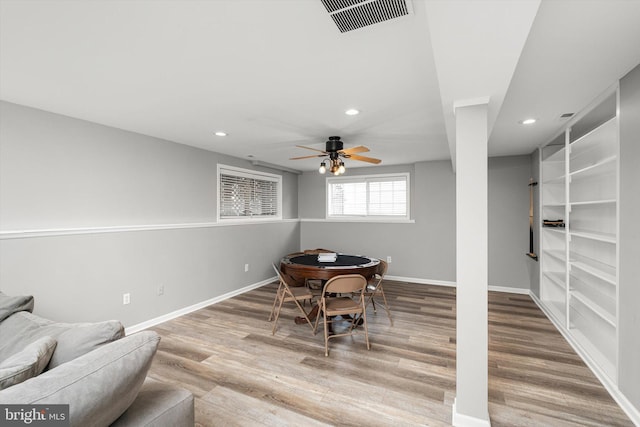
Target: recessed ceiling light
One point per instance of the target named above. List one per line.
(527, 121)
(352, 112)
(220, 133)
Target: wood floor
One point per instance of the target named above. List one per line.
(241, 375)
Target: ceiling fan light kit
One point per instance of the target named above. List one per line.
(334, 152)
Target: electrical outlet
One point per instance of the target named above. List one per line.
(160, 290)
(388, 260)
(246, 268)
(126, 298)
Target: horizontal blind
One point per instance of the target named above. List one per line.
(388, 198)
(243, 196)
(368, 196)
(349, 198)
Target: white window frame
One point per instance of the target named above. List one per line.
(367, 179)
(252, 174)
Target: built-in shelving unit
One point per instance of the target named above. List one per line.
(579, 280)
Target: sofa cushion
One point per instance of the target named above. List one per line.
(26, 364)
(74, 339)
(98, 386)
(10, 305)
(158, 405)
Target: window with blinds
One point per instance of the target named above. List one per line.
(376, 196)
(247, 194)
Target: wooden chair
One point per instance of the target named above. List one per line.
(286, 293)
(352, 284)
(375, 290)
(317, 251)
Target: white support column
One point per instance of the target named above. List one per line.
(471, 407)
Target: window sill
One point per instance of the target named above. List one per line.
(371, 220)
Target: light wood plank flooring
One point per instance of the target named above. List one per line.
(241, 375)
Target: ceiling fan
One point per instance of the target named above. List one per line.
(335, 152)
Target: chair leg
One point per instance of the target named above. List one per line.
(304, 313)
(275, 321)
(315, 326)
(386, 306)
(366, 330)
(275, 300)
(326, 334)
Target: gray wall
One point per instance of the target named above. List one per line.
(58, 172)
(629, 238)
(509, 221)
(425, 249)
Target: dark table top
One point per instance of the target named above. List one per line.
(341, 261)
(298, 267)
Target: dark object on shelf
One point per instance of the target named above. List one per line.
(532, 184)
(553, 223)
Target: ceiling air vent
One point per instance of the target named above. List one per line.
(566, 115)
(350, 15)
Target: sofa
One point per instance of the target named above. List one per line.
(93, 367)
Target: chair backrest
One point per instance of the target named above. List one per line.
(382, 268)
(344, 284)
(293, 254)
(280, 276)
(317, 251)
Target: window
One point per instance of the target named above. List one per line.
(374, 196)
(246, 194)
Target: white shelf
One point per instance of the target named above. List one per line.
(604, 166)
(605, 133)
(557, 310)
(595, 268)
(559, 230)
(557, 278)
(557, 157)
(594, 353)
(594, 202)
(555, 180)
(578, 277)
(560, 255)
(594, 235)
(599, 311)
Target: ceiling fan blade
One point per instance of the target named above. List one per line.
(364, 159)
(307, 157)
(314, 149)
(358, 149)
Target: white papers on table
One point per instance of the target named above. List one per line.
(327, 257)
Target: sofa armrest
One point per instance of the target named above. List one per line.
(158, 405)
(98, 386)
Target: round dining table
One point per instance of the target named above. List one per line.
(300, 267)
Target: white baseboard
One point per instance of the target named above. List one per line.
(202, 304)
(521, 291)
(507, 289)
(421, 281)
(194, 307)
(632, 412)
(461, 420)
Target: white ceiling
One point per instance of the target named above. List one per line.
(276, 73)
